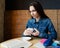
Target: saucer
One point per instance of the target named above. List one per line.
(26, 38)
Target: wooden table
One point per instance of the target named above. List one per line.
(33, 41)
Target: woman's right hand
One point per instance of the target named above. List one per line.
(28, 31)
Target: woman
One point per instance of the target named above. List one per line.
(40, 23)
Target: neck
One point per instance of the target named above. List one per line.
(37, 19)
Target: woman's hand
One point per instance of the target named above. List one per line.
(28, 31)
(36, 33)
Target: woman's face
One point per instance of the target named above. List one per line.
(33, 12)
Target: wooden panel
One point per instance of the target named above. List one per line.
(19, 20)
(59, 24)
(52, 14)
(7, 25)
(15, 22)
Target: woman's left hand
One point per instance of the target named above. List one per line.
(36, 33)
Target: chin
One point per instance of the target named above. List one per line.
(34, 17)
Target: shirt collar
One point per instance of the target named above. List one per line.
(34, 20)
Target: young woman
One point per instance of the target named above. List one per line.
(41, 24)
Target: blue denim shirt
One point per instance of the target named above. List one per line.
(43, 26)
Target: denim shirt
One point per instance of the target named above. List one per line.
(43, 26)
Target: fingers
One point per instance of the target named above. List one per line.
(27, 32)
(35, 29)
(35, 33)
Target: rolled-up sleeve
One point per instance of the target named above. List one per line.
(43, 35)
(51, 29)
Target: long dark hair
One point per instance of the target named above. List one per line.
(39, 9)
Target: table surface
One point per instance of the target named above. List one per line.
(33, 41)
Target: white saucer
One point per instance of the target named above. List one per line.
(26, 38)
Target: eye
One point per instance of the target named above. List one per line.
(32, 11)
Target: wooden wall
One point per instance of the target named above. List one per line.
(15, 22)
(58, 24)
(2, 9)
